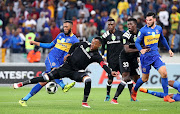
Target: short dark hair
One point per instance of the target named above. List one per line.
(132, 19)
(151, 14)
(99, 38)
(111, 19)
(68, 21)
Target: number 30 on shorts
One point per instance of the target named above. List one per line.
(125, 64)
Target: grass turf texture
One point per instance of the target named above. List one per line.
(70, 102)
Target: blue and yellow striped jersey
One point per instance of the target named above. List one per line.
(62, 44)
(150, 38)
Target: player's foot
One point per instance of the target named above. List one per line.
(17, 85)
(113, 101)
(107, 98)
(168, 99)
(133, 94)
(144, 90)
(69, 86)
(133, 100)
(84, 104)
(22, 102)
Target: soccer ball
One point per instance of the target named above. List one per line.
(51, 87)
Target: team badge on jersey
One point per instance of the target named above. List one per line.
(134, 38)
(53, 64)
(88, 49)
(113, 37)
(157, 32)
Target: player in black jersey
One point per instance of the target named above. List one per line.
(128, 59)
(113, 39)
(79, 57)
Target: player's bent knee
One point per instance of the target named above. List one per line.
(164, 75)
(144, 79)
(87, 79)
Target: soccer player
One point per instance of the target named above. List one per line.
(55, 58)
(128, 59)
(79, 57)
(172, 83)
(113, 39)
(150, 34)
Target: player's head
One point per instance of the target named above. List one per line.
(132, 24)
(111, 24)
(150, 19)
(67, 26)
(96, 43)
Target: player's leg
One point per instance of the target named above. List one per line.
(145, 67)
(54, 74)
(33, 91)
(175, 84)
(108, 88)
(120, 88)
(51, 62)
(38, 86)
(87, 89)
(157, 94)
(160, 66)
(82, 77)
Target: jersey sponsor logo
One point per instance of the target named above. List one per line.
(113, 42)
(149, 32)
(62, 45)
(151, 39)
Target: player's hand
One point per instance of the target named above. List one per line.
(115, 74)
(143, 51)
(171, 53)
(32, 42)
(65, 58)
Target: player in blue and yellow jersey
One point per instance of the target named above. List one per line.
(172, 83)
(55, 58)
(150, 34)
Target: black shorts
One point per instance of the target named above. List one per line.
(66, 71)
(114, 67)
(129, 65)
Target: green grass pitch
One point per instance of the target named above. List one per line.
(70, 103)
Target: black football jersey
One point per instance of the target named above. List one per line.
(114, 45)
(129, 39)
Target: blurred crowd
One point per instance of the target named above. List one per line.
(42, 20)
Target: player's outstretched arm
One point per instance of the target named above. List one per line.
(34, 43)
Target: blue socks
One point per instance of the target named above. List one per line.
(33, 91)
(158, 94)
(138, 84)
(60, 82)
(164, 82)
(176, 84)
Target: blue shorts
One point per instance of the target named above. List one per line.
(52, 62)
(147, 61)
(176, 97)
